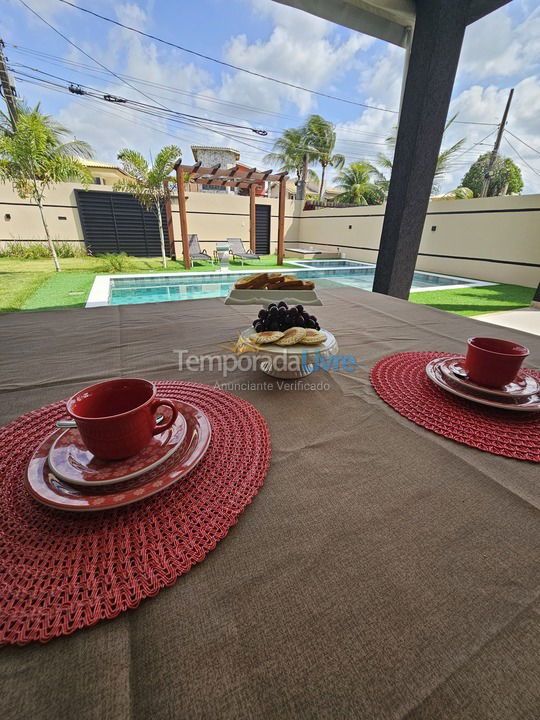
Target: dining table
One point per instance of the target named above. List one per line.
(381, 571)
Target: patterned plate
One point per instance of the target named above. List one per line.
(530, 403)
(524, 384)
(70, 460)
(49, 490)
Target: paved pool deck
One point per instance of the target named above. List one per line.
(524, 319)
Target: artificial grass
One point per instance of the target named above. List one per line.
(16, 288)
(476, 300)
(34, 284)
(61, 290)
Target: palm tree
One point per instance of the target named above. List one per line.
(320, 140)
(147, 183)
(357, 186)
(34, 158)
(291, 156)
(443, 161)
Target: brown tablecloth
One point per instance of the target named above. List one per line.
(382, 572)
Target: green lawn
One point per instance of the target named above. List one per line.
(476, 300)
(34, 285)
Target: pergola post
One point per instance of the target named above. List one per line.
(252, 219)
(281, 221)
(436, 45)
(169, 216)
(180, 183)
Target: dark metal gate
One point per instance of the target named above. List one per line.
(262, 229)
(115, 222)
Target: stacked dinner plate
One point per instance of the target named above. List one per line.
(521, 395)
(64, 474)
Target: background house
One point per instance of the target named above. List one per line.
(103, 173)
(208, 156)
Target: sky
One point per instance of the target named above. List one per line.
(500, 51)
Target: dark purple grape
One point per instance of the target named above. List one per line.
(282, 304)
(293, 311)
(310, 324)
(255, 322)
(273, 311)
(271, 306)
(312, 317)
(305, 315)
(259, 327)
(317, 326)
(300, 322)
(263, 313)
(274, 325)
(267, 322)
(300, 308)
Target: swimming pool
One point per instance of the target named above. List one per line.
(134, 289)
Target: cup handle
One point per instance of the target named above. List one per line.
(164, 426)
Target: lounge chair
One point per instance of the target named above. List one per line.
(237, 249)
(195, 252)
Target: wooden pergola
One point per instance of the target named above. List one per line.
(230, 177)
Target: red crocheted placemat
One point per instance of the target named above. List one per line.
(401, 381)
(63, 571)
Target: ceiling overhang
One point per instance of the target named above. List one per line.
(389, 20)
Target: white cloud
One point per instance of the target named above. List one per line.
(110, 127)
(311, 58)
(381, 81)
(497, 47)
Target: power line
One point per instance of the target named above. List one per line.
(77, 89)
(222, 62)
(522, 158)
(475, 144)
(55, 60)
(221, 133)
(245, 70)
(341, 140)
(98, 62)
(523, 141)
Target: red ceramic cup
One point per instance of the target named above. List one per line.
(116, 418)
(493, 362)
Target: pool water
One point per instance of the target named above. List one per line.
(164, 288)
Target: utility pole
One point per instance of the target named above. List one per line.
(487, 176)
(8, 87)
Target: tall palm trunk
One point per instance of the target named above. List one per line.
(161, 235)
(46, 227)
(301, 194)
(321, 187)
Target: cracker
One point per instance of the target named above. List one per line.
(291, 336)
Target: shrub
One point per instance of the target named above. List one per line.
(38, 250)
(68, 250)
(26, 251)
(116, 263)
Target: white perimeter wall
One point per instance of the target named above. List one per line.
(494, 239)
